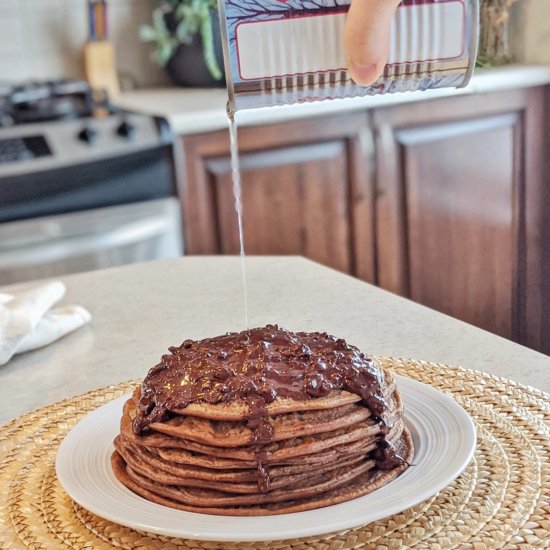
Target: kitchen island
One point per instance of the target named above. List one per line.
(139, 311)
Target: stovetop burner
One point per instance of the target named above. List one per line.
(50, 100)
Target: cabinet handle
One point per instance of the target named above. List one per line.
(384, 145)
(367, 151)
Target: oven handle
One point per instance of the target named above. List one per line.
(70, 247)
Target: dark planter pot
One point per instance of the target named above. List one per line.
(187, 66)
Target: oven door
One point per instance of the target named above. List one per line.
(92, 239)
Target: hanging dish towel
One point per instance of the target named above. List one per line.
(27, 321)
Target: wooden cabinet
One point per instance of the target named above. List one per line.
(460, 208)
(442, 201)
(305, 191)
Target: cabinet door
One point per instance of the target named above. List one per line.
(460, 199)
(303, 183)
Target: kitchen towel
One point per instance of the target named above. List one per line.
(27, 321)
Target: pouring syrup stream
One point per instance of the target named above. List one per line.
(237, 194)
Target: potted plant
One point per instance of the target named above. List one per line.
(187, 39)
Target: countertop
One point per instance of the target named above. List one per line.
(196, 110)
(140, 310)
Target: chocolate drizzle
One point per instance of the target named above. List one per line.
(257, 420)
(264, 482)
(386, 456)
(257, 366)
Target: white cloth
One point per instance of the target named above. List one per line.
(27, 321)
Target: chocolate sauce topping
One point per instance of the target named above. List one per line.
(257, 366)
(386, 456)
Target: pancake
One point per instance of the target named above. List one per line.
(240, 410)
(246, 486)
(284, 426)
(201, 497)
(273, 452)
(362, 485)
(239, 473)
(181, 456)
(262, 422)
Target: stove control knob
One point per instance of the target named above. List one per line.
(126, 130)
(87, 135)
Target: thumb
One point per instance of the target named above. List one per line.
(367, 38)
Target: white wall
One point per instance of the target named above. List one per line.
(43, 39)
(530, 31)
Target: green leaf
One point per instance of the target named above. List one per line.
(183, 34)
(158, 21)
(147, 33)
(208, 46)
(165, 53)
(191, 17)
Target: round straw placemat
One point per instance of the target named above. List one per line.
(502, 500)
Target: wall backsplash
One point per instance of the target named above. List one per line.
(43, 39)
(530, 31)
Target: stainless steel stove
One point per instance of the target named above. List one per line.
(69, 159)
(50, 100)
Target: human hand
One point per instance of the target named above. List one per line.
(367, 38)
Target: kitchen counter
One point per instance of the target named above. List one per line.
(139, 311)
(196, 110)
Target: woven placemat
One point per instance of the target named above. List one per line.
(502, 500)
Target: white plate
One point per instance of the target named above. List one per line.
(444, 438)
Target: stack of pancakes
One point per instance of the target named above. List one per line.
(253, 455)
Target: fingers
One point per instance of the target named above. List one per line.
(367, 38)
